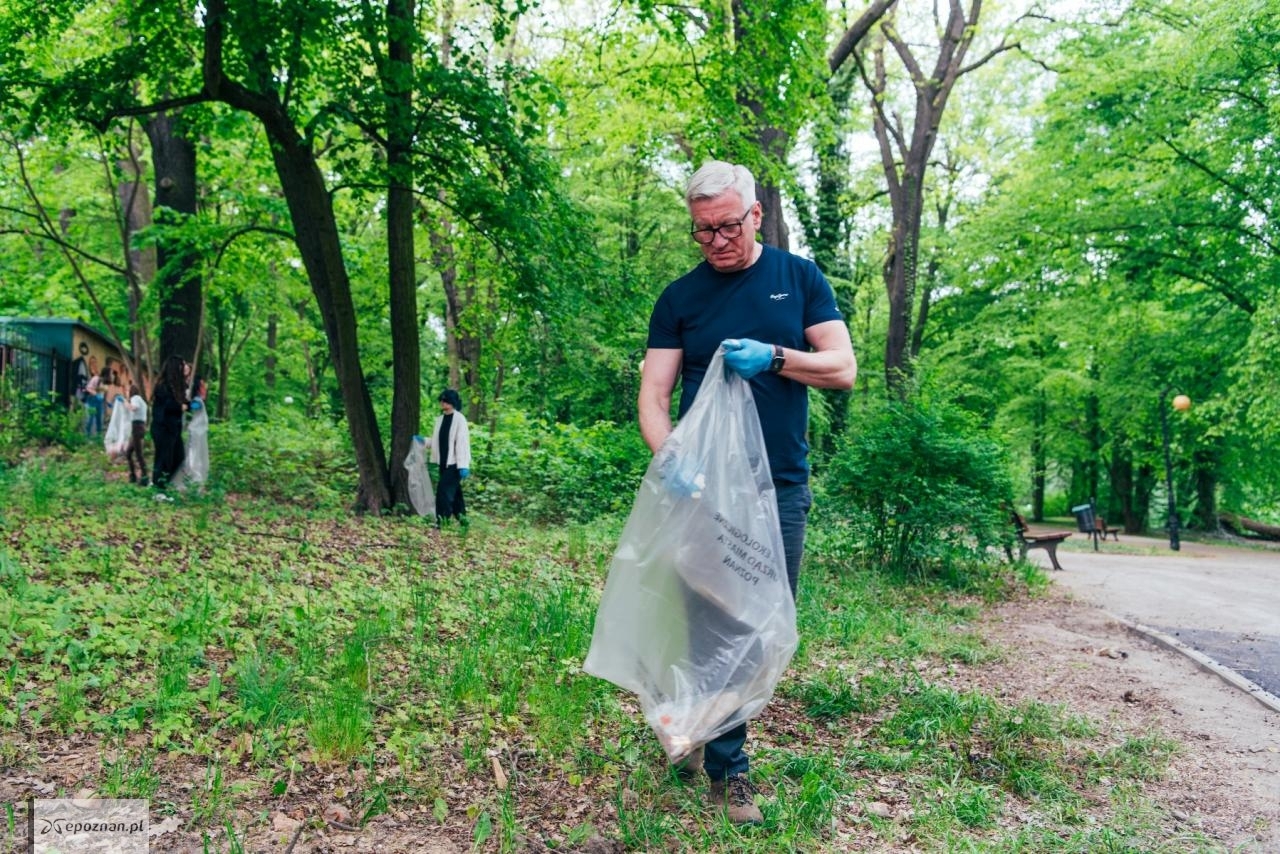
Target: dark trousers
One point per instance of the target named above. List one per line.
(169, 451)
(137, 441)
(449, 494)
(724, 756)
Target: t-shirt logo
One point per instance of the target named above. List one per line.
(778, 297)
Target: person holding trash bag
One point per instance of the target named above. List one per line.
(168, 403)
(774, 317)
(451, 450)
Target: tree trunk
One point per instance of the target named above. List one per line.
(406, 401)
(135, 203)
(319, 244)
(178, 282)
(905, 161)
(316, 233)
(1253, 526)
(1205, 515)
(1038, 459)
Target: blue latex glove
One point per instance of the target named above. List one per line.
(119, 397)
(746, 357)
(464, 473)
(196, 405)
(421, 440)
(681, 477)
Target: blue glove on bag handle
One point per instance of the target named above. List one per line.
(680, 475)
(746, 357)
(464, 473)
(196, 405)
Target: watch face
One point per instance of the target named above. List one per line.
(776, 364)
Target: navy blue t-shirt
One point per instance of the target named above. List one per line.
(774, 300)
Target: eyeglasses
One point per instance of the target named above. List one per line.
(729, 231)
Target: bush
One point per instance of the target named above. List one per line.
(305, 462)
(923, 492)
(30, 419)
(555, 472)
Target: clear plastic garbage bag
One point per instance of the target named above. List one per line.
(119, 431)
(421, 495)
(697, 617)
(195, 468)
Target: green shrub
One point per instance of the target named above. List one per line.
(29, 419)
(556, 472)
(921, 491)
(304, 462)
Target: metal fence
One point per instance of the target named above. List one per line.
(26, 369)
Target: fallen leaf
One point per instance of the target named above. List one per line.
(337, 814)
(284, 824)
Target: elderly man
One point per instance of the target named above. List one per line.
(775, 316)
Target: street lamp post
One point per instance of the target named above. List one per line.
(1181, 403)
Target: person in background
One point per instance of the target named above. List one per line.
(94, 398)
(138, 436)
(775, 317)
(451, 450)
(168, 403)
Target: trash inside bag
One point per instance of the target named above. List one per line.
(119, 431)
(420, 493)
(697, 617)
(195, 468)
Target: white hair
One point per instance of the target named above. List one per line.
(716, 177)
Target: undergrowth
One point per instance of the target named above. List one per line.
(264, 650)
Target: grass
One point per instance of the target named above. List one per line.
(233, 657)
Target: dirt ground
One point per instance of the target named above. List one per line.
(1226, 779)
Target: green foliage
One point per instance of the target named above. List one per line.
(546, 472)
(289, 459)
(923, 492)
(302, 649)
(31, 419)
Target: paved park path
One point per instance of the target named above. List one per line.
(1222, 601)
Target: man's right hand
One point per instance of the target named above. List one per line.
(681, 476)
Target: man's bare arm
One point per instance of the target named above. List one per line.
(661, 367)
(831, 364)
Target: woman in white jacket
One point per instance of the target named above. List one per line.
(451, 450)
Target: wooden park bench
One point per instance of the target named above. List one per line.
(1048, 542)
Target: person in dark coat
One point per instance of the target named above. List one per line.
(168, 403)
(451, 451)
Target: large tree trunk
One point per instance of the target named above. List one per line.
(177, 282)
(406, 401)
(905, 161)
(135, 204)
(316, 234)
(319, 244)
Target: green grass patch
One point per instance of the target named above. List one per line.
(224, 653)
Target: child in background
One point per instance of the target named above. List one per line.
(137, 439)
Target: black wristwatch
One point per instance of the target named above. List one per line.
(778, 360)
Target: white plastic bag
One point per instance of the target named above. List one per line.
(119, 431)
(195, 468)
(697, 617)
(421, 494)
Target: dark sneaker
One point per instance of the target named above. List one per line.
(144, 481)
(690, 768)
(737, 797)
(133, 478)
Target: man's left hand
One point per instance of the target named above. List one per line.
(464, 473)
(746, 357)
